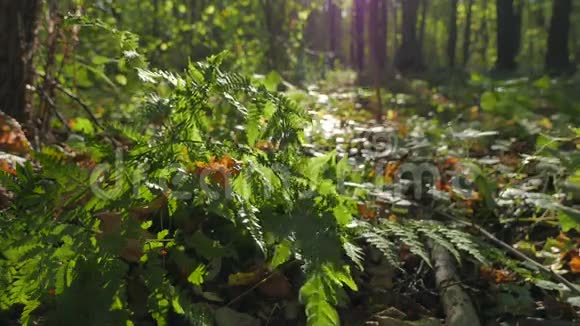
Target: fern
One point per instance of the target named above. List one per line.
(432, 232)
(57, 244)
(408, 236)
(383, 244)
(463, 241)
(322, 291)
(386, 234)
(354, 253)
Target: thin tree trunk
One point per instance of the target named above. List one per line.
(274, 10)
(467, 33)
(48, 86)
(383, 33)
(484, 33)
(378, 33)
(558, 55)
(17, 37)
(358, 34)
(396, 30)
(155, 27)
(509, 21)
(424, 6)
(335, 23)
(378, 41)
(452, 40)
(408, 56)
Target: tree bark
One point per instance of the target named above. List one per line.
(467, 33)
(358, 37)
(378, 33)
(452, 40)
(484, 34)
(558, 56)
(394, 9)
(335, 23)
(509, 21)
(383, 32)
(424, 7)
(378, 41)
(17, 38)
(408, 56)
(458, 307)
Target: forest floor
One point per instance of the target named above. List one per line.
(442, 159)
(493, 167)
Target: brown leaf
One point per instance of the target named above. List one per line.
(575, 264)
(276, 286)
(12, 137)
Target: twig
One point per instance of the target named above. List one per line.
(264, 280)
(51, 103)
(513, 251)
(81, 103)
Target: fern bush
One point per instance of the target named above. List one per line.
(139, 220)
(208, 174)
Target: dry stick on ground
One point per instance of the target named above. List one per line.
(457, 305)
(573, 287)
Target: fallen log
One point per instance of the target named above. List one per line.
(459, 310)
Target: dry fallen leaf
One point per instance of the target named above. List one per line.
(12, 137)
(497, 276)
(219, 171)
(276, 286)
(366, 212)
(575, 264)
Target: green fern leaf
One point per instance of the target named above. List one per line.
(408, 236)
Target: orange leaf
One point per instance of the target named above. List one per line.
(12, 137)
(451, 162)
(365, 212)
(575, 264)
(391, 171)
(497, 276)
(7, 167)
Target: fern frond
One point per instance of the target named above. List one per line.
(322, 291)
(383, 244)
(354, 252)
(463, 241)
(408, 236)
(430, 231)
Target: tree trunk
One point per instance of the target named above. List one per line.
(358, 37)
(424, 6)
(378, 41)
(467, 33)
(335, 23)
(274, 12)
(509, 21)
(17, 34)
(383, 32)
(452, 40)
(484, 34)
(396, 30)
(408, 56)
(378, 33)
(558, 56)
